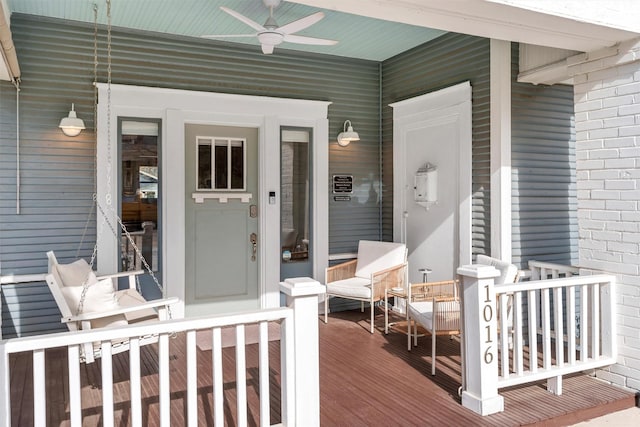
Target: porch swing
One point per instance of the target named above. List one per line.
(87, 301)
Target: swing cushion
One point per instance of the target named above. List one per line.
(76, 273)
(100, 296)
(131, 298)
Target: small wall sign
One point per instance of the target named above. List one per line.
(342, 198)
(342, 184)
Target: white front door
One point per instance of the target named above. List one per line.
(432, 181)
(221, 219)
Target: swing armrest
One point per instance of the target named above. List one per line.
(121, 274)
(130, 274)
(123, 310)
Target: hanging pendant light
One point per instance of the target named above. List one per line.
(71, 125)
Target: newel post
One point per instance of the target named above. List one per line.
(480, 344)
(302, 296)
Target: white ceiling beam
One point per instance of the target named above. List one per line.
(486, 18)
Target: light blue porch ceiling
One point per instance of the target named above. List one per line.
(358, 36)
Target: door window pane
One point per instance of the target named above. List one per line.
(140, 192)
(221, 164)
(204, 165)
(295, 205)
(237, 165)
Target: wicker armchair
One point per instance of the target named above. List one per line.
(379, 266)
(436, 307)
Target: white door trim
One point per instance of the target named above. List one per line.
(178, 107)
(448, 105)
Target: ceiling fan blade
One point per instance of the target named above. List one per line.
(227, 36)
(291, 38)
(301, 23)
(243, 18)
(267, 49)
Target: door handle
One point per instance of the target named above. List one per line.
(253, 239)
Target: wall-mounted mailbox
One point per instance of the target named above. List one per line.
(425, 186)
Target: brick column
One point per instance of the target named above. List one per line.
(607, 124)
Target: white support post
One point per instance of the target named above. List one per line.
(480, 364)
(302, 296)
(500, 117)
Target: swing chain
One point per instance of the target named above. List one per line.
(109, 157)
(95, 126)
(108, 196)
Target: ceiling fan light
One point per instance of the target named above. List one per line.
(347, 135)
(271, 38)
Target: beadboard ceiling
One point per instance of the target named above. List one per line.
(357, 36)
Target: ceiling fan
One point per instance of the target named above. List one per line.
(271, 34)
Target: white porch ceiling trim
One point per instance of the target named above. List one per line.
(490, 19)
(9, 68)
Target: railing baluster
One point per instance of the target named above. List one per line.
(107, 385)
(164, 380)
(505, 335)
(75, 400)
(558, 316)
(135, 382)
(518, 347)
(533, 330)
(218, 385)
(39, 389)
(571, 325)
(241, 376)
(265, 407)
(595, 324)
(584, 323)
(554, 384)
(288, 374)
(192, 380)
(546, 329)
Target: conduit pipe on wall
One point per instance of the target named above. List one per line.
(10, 59)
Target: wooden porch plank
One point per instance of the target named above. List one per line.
(365, 380)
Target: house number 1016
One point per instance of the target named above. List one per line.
(487, 314)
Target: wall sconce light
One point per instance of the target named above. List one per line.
(71, 125)
(347, 135)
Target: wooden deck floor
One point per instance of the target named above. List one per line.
(365, 380)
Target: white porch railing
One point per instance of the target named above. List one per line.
(299, 364)
(541, 270)
(503, 350)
